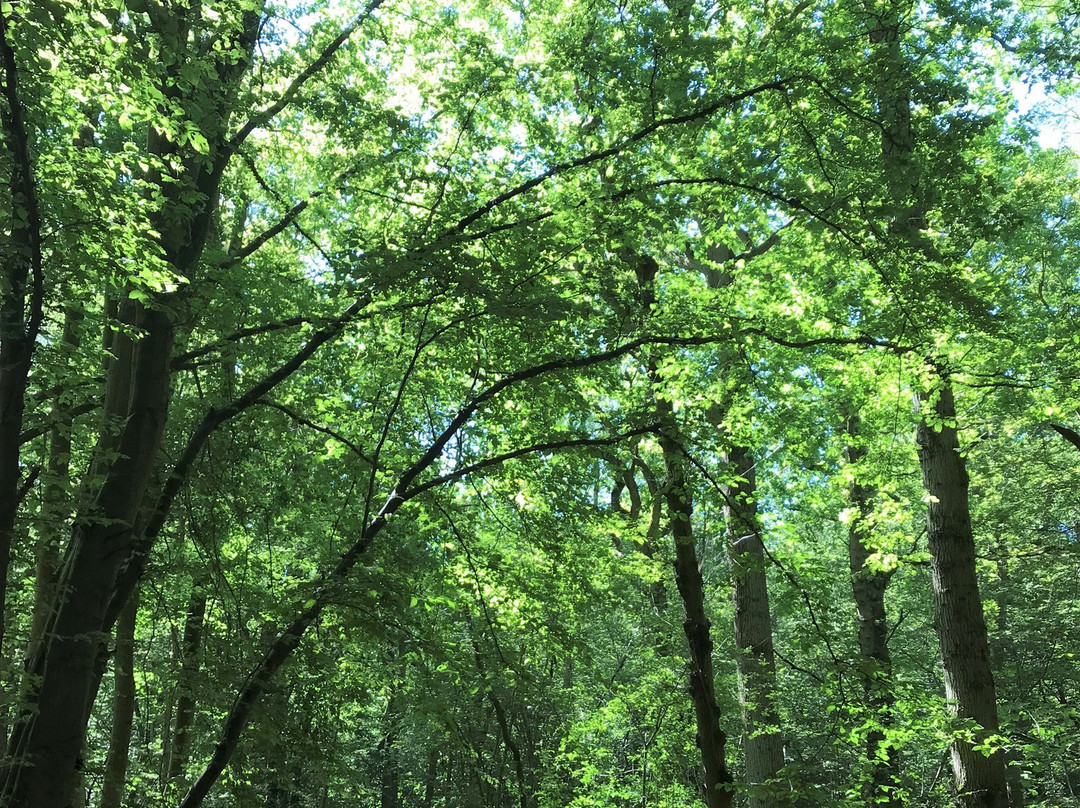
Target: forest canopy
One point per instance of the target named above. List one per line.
(538, 404)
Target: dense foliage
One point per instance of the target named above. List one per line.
(391, 394)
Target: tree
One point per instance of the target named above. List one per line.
(869, 580)
(958, 618)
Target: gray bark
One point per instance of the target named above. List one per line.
(116, 764)
(875, 663)
(958, 614)
(969, 686)
(762, 743)
(180, 747)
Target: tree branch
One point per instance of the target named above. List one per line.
(312, 425)
(28, 435)
(281, 224)
(181, 360)
(260, 118)
(1067, 433)
(578, 162)
(536, 448)
(261, 180)
(27, 484)
(869, 342)
(136, 564)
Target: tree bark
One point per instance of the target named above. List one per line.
(958, 617)
(431, 779)
(716, 790)
(46, 741)
(762, 743)
(116, 764)
(41, 764)
(1007, 661)
(180, 747)
(958, 614)
(57, 497)
(711, 740)
(21, 301)
(875, 664)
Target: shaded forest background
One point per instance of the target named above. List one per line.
(538, 403)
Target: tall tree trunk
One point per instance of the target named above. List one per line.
(43, 754)
(180, 747)
(389, 786)
(98, 549)
(387, 751)
(431, 779)
(763, 747)
(116, 764)
(21, 300)
(1007, 661)
(875, 664)
(958, 617)
(716, 784)
(526, 795)
(57, 497)
(711, 740)
(762, 743)
(958, 614)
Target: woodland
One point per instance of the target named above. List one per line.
(538, 404)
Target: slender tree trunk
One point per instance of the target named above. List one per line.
(1007, 661)
(431, 780)
(716, 788)
(875, 664)
(712, 740)
(180, 747)
(526, 797)
(387, 752)
(762, 743)
(21, 301)
(166, 739)
(116, 764)
(958, 614)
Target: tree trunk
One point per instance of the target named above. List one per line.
(875, 665)
(431, 780)
(112, 792)
(57, 497)
(180, 747)
(958, 614)
(1007, 661)
(40, 769)
(21, 303)
(716, 790)
(762, 743)
(99, 546)
(958, 617)
(389, 787)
